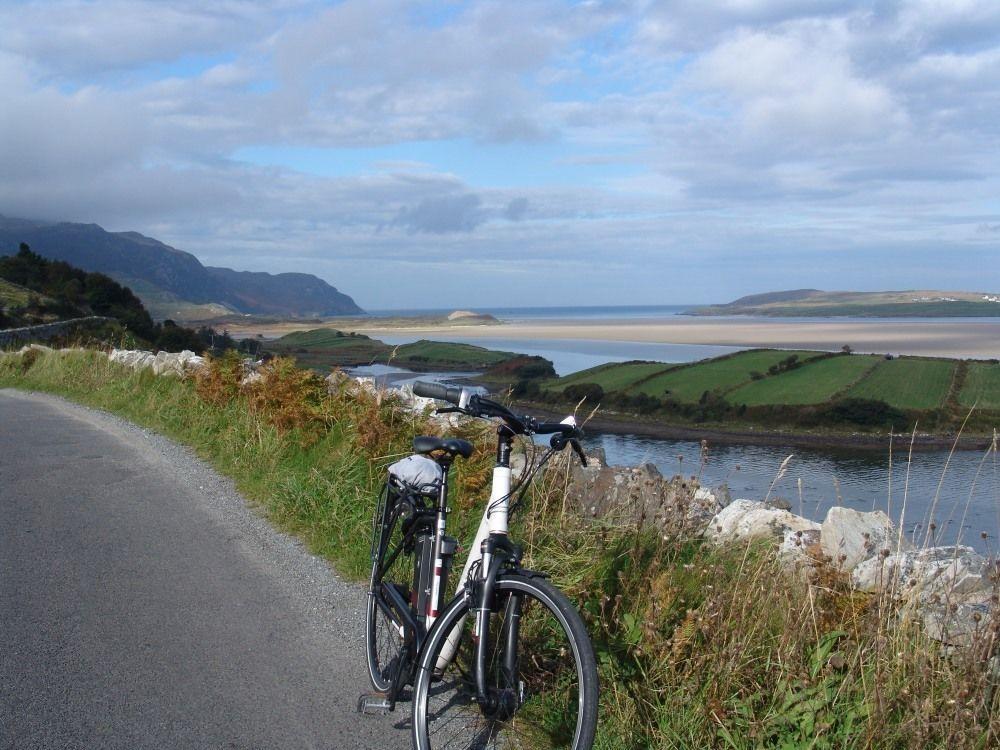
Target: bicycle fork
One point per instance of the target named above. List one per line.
(502, 702)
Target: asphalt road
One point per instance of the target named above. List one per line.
(142, 605)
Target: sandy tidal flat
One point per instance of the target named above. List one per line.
(951, 338)
(939, 338)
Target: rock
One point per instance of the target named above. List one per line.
(640, 493)
(955, 624)
(951, 588)
(133, 358)
(162, 363)
(749, 519)
(167, 363)
(337, 380)
(850, 536)
(416, 403)
(932, 574)
(800, 546)
(778, 502)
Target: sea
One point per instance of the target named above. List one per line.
(938, 496)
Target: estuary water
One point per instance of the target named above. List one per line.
(937, 496)
(959, 493)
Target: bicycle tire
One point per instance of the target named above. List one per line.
(555, 691)
(385, 644)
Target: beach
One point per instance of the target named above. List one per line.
(978, 339)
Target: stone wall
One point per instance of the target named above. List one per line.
(46, 332)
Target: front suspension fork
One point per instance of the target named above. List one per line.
(500, 553)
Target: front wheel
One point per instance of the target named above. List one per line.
(541, 675)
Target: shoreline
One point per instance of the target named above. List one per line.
(622, 424)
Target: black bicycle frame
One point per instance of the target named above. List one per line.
(387, 597)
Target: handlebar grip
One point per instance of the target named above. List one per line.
(451, 394)
(548, 428)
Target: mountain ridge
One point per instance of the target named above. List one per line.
(173, 281)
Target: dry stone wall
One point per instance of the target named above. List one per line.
(11, 337)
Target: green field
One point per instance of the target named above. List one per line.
(447, 353)
(812, 384)
(614, 376)
(321, 338)
(908, 383)
(982, 386)
(322, 348)
(687, 384)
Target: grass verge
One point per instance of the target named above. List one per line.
(697, 646)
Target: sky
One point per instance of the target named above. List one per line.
(464, 154)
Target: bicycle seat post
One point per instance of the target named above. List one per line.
(436, 592)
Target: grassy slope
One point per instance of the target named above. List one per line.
(811, 384)
(688, 383)
(982, 385)
(697, 647)
(614, 376)
(12, 295)
(907, 383)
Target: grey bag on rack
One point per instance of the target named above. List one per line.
(417, 471)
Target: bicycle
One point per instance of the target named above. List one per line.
(507, 662)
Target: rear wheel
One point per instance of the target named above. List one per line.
(385, 638)
(541, 676)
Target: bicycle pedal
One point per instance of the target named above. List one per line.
(375, 704)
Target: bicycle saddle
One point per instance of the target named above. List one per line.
(452, 446)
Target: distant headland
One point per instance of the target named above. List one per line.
(812, 303)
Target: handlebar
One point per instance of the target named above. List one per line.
(451, 394)
(474, 405)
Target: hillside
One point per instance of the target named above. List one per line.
(791, 390)
(171, 282)
(817, 303)
(35, 290)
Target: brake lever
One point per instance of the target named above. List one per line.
(578, 450)
(451, 410)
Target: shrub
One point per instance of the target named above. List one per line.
(864, 412)
(526, 389)
(590, 392)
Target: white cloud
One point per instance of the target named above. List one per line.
(799, 84)
(673, 136)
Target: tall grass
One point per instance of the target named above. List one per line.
(698, 646)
